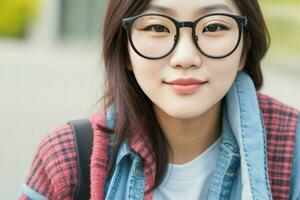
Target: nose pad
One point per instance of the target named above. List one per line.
(175, 38)
(196, 38)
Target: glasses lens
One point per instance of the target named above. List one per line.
(217, 35)
(153, 36)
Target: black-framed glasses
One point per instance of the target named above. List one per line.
(154, 36)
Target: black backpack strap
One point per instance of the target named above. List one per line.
(83, 134)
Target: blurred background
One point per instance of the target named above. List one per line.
(50, 71)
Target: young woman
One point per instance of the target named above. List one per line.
(182, 116)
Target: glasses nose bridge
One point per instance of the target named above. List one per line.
(185, 24)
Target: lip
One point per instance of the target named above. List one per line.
(185, 85)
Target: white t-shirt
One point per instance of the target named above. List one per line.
(191, 180)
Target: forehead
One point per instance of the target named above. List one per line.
(192, 8)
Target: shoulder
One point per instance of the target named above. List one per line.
(279, 119)
(58, 147)
(275, 111)
(60, 140)
(54, 170)
(282, 128)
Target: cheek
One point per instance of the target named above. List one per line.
(147, 72)
(223, 72)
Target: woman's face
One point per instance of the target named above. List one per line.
(214, 77)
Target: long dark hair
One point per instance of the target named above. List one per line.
(131, 104)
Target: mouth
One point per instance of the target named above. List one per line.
(185, 86)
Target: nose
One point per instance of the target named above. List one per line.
(186, 54)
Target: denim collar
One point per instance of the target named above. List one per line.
(110, 123)
(243, 129)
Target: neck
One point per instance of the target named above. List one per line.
(188, 138)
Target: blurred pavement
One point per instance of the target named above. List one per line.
(41, 89)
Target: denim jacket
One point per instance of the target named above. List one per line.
(241, 170)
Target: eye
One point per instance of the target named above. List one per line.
(214, 28)
(157, 28)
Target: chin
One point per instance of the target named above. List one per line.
(185, 114)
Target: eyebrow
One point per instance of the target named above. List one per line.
(201, 11)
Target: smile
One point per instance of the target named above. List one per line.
(185, 86)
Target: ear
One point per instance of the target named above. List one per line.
(242, 62)
(129, 67)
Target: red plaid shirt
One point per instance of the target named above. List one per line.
(54, 169)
